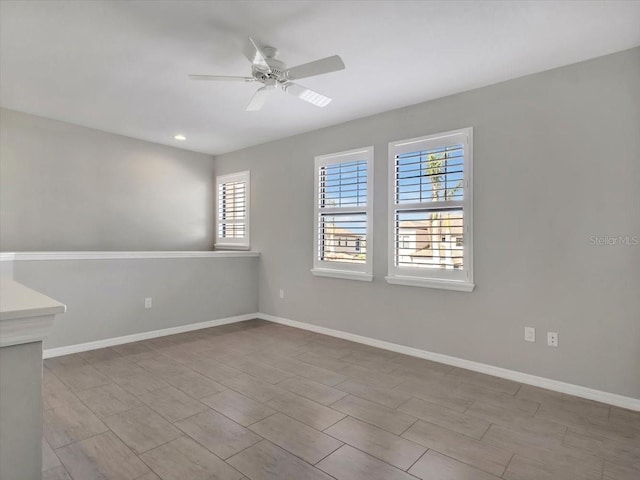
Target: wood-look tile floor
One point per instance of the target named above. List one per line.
(260, 401)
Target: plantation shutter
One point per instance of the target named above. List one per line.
(343, 215)
(233, 210)
(430, 211)
(342, 201)
(429, 216)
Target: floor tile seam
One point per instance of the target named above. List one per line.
(313, 364)
(377, 426)
(245, 426)
(308, 379)
(416, 421)
(318, 404)
(222, 414)
(266, 381)
(191, 395)
(247, 396)
(475, 467)
(289, 452)
(137, 454)
(328, 454)
(418, 459)
(102, 419)
(74, 390)
(173, 386)
(148, 391)
(156, 473)
(455, 432)
(78, 441)
(473, 417)
(186, 434)
(370, 423)
(372, 456)
(491, 424)
(491, 390)
(344, 442)
(146, 372)
(603, 436)
(469, 464)
(64, 468)
(295, 419)
(167, 419)
(335, 423)
(507, 466)
(215, 379)
(466, 437)
(56, 455)
(245, 448)
(368, 399)
(545, 449)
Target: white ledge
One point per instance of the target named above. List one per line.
(230, 246)
(25, 315)
(430, 283)
(344, 274)
(17, 256)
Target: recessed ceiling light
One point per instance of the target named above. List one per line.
(180, 137)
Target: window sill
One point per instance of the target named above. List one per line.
(230, 246)
(430, 283)
(345, 275)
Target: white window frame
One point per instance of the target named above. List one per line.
(460, 280)
(344, 270)
(223, 243)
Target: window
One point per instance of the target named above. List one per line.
(430, 211)
(343, 215)
(232, 215)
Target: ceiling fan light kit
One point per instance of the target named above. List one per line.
(274, 74)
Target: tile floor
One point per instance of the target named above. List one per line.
(262, 401)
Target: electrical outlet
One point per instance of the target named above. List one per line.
(281, 293)
(552, 339)
(529, 334)
(148, 302)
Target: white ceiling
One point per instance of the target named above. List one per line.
(122, 66)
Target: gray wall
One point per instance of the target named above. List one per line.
(105, 298)
(65, 187)
(557, 160)
(21, 413)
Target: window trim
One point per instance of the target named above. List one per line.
(433, 278)
(362, 272)
(244, 243)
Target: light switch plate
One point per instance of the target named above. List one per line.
(529, 334)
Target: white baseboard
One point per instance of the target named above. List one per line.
(555, 385)
(136, 337)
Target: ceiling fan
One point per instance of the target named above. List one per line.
(274, 74)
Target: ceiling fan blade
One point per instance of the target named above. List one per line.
(222, 78)
(258, 99)
(306, 94)
(255, 55)
(325, 65)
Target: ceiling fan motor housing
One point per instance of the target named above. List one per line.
(277, 71)
(277, 68)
